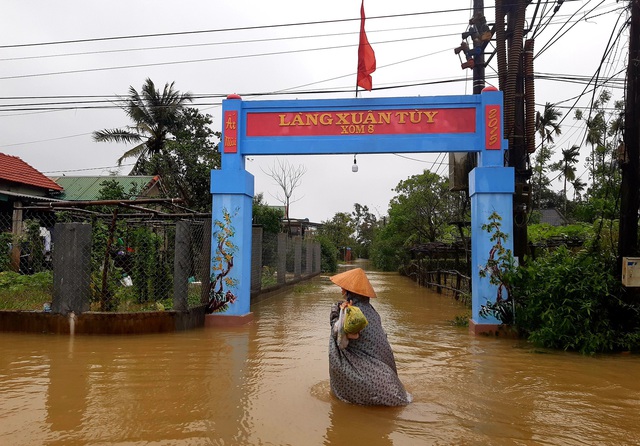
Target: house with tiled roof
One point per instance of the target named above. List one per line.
(22, 186)
(20, 182)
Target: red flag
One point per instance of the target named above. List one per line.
(366, 57)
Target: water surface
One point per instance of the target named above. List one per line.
(267, 383)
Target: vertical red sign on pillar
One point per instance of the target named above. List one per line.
(230, 131)
(492, 127)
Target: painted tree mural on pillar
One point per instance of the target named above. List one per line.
(220, 290)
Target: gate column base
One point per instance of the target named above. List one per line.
(219, 320)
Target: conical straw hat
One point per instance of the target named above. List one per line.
(354, 280)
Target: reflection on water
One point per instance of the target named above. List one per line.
(267, 383)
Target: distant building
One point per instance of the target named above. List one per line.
(21, 183)
(300, 227)
(552, 217)
(87, 188)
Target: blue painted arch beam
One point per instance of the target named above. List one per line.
(361, 126)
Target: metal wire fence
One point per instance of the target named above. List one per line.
(129, 263)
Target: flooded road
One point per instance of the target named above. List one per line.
(267, 383)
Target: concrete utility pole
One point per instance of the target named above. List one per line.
(630, 187)
(460, 164)
(478, 68)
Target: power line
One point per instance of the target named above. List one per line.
(221, 30)
(233, 42)
(211, 59)
(112, 101)
(89, 168)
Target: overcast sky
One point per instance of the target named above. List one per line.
(71, 57)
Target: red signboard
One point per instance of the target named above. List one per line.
(492, 127)
(230, 132)
(362, 122)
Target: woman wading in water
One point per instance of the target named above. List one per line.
(362, 368)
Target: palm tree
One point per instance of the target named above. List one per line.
(154, 114)
(547, 126)
(578, 187)
(568, 168)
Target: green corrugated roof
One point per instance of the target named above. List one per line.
(88, 188)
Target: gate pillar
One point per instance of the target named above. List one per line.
(491, 190)
(232, 189)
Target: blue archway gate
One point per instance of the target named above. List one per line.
(470, 123)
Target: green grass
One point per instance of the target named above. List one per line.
(31, 292)
(305, 288)
(18, 292)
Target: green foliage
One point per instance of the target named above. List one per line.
(305, 288)
(461, 320)
(6, 240)
(543, 231)
(170, 140)
(14, 282)
(189, 159)
(339, 230)
(328, 254)
(33, 245)
(562, 300)
(599, 204)
(419, 213)
(150, 273)
(153, 114)
(575, 302)
(605, 238)
(604, 133)
(114, 190)
(268, 277)
(547, 126)
(104, 292)
(388, 252)
(268, 216)
(356, 231)
(25, 292)
(365, 224)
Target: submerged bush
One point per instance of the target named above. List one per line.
(573, 301)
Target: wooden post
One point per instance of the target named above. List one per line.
(16, 230)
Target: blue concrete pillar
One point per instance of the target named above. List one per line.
(491, 190)
(232, 190)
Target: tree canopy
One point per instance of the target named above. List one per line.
(171, 140)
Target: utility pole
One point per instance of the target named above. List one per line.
(478, 68)
(630, 186)
(460, 164)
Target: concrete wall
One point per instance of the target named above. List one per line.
(102, 323)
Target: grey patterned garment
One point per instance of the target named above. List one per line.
(365, 372)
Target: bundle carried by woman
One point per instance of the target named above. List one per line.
(349, 324)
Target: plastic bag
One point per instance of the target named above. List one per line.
(354, 320)
(338, 330)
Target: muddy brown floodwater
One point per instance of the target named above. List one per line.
(267, 383)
